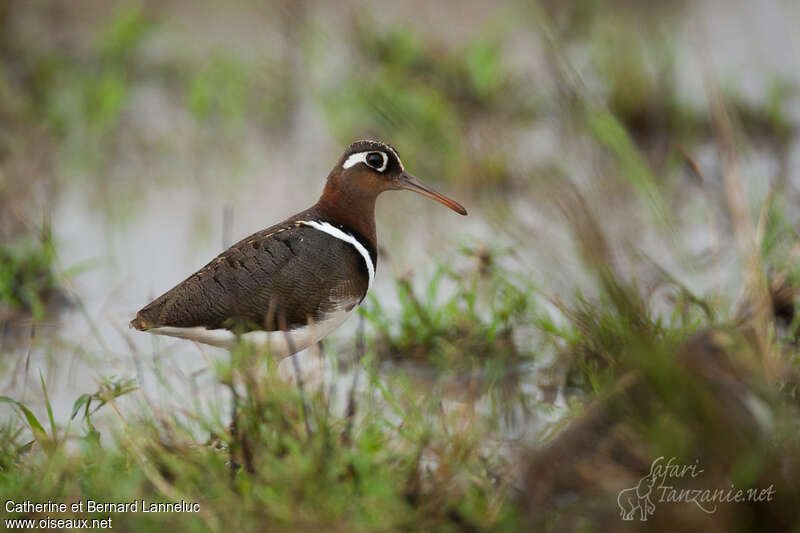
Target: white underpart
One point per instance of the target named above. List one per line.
(361, 157)
(281, 344)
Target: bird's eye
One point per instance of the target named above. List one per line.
(376, 160)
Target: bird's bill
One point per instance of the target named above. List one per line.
(411, 183)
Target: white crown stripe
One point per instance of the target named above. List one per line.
(346, 237)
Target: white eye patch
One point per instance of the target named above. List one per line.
(361, 157)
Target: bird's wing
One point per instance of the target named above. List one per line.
(277, 279)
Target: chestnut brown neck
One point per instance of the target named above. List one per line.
(351, 207)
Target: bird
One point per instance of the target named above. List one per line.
(286, 287)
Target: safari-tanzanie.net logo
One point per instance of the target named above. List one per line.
(659, 486)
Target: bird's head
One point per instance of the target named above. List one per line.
(367, 168)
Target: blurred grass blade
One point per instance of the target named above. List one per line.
(83, 400)
(609, 132)
(49, 408)
(82, 267)
(36, 427)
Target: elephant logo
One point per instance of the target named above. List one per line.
(637, 498)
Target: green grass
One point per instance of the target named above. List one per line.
(276, 465)
(459, 317)
(28, 278)
(396, 459)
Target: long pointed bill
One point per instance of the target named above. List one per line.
(409, 182)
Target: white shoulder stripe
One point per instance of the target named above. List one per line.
(346, 237)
